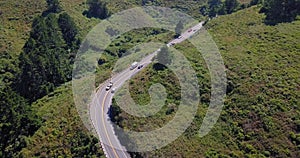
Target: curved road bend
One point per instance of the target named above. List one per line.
(102, 101)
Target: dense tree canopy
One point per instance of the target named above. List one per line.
(230, 6)
(69, 30)
(214, 7)
(45, 61)
(281, 10)
(219, 7)
(17, 122)
(53, 6)
(97, 9)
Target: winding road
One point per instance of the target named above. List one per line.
(103, 99)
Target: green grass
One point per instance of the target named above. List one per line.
(15, 23)
(261, 111)
(16, 18)
(130, 42)
(63, 132)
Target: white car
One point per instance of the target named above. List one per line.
(109, 86)
(133, 65)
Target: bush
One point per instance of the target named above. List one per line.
(97, 9)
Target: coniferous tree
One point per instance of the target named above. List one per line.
(53, 6)
(230, 6)
(204, 10)
(69, 30)
(44, 62)
(17, 122)
(97, 9)
(214, 7)
(281, 10)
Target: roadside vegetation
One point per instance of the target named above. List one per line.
(62, 133)
(39, 41)
(260, 116)
(44, 63)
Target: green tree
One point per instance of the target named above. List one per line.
(84, 145)
(17, 122)
(230, 6)
(97, 9)
(69, 30)
(214, 7)
(53, 6)
(281, 10)
(44, 62)
(255, 2)
(178, 28)
(204, 10)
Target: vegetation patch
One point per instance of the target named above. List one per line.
(261, 107)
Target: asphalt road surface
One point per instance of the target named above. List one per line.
(103, 99)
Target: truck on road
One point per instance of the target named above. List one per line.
(134, 65)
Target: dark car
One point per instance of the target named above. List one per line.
(139, 67)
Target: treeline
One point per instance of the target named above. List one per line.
(219, 7)
(97, 9)
(276, 10)
(17, 122)
(46, 62)
(280, 10)
(47, 57)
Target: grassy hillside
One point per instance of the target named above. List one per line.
(16, 18)
(62, 132)
(261, 113)
(52, 139)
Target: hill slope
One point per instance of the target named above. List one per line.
(63, 132)
(261, 112)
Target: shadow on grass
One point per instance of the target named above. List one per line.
(159, 67)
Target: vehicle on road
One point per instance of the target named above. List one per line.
(179, 37)
(133, 65)
(140, 66)
(190, 30)
(104, 128)
(109, 86)
(113, 90)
